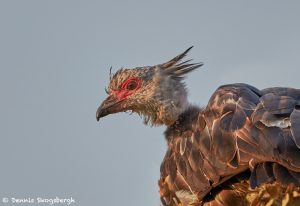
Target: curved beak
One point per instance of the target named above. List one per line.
(109, 106)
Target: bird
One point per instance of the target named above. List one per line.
(242, 148)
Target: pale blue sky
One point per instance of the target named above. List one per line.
(55, 59)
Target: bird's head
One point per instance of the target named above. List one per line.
(155, 92)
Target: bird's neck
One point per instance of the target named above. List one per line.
(167, 101)
(164, 112)
(169, 114)
(185, 122)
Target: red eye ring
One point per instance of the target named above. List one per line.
(131, 84)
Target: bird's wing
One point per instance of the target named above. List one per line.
(241, 127)
(228, 113)
(249, 126)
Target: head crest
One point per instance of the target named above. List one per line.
(176, 68)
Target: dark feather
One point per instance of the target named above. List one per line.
(278, 104)
(176, 68)
(175, 59)
(295, 126)
(224, 140)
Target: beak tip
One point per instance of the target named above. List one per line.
(101, 113)
(108, 106)
(98, 116)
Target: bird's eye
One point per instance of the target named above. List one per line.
(131, 85)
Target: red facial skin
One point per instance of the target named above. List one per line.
(115, 101)
(127, 88)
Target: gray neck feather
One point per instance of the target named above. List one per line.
(168, 99)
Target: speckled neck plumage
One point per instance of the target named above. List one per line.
(167, 101)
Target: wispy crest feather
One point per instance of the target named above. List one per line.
(176, 68)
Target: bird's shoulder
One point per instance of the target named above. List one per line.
(231, 104)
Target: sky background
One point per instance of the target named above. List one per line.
(54, 66)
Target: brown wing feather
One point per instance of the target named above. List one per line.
(295, 126)
(240, 128)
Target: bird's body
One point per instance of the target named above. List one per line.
(210, 149)
(240, 128)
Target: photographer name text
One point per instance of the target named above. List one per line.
(39, 200)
